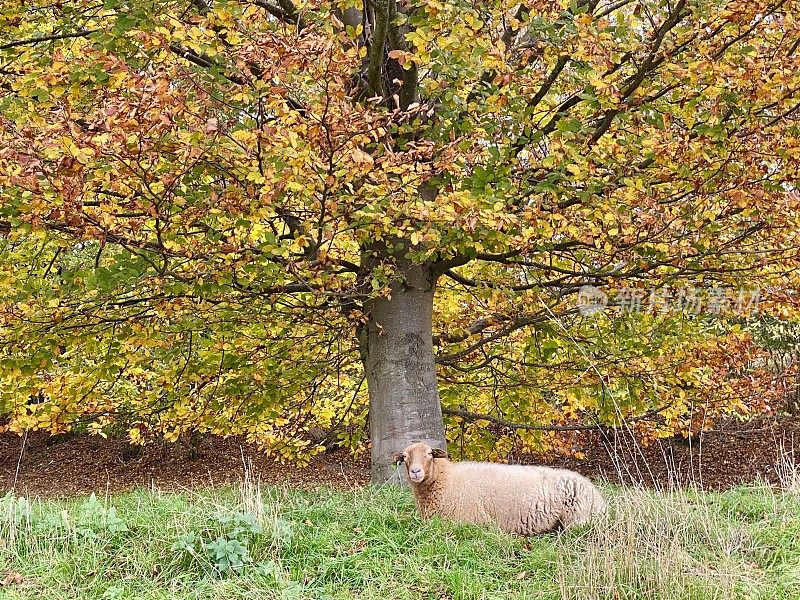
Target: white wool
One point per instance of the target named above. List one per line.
(519, 499)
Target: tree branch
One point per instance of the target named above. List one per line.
(445, 265)
(551, 79)
(273, 9)
(292, 13)
(517, 323)
(203, 61)
(377, 46)
(207, 63)
(466, 281)
(48, 38)
(284, 11)
(472, 416)
(476, 327)
(410, 76)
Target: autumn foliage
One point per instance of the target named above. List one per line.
(202, 202)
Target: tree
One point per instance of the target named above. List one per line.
(218, 212)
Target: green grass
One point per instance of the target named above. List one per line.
(743, 543)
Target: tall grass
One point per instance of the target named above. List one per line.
(369, 543)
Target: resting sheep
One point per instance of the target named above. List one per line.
(524, 500)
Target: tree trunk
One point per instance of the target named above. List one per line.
(397, 347)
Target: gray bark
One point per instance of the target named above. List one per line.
(397, 347)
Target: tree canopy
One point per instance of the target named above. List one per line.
(213, 213)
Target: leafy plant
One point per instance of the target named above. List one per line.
(227, 552)
(96, 519)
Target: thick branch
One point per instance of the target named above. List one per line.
(648, 68)
(275, 10)
(612, 8)
(794, 47)
(48, 38)
(291, 12)
(471, 416)
(284, 11)
(518, 323)
(466, 281)
(408, 91)
(445, 265)
(376, 49)
(551, 79)
(207, 63)
(460, 336)
(203, 61)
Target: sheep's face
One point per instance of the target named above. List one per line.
(418, 461)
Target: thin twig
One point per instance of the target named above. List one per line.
(19, 460)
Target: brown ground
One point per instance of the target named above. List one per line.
(735, 453)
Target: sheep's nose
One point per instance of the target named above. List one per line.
(416, 471)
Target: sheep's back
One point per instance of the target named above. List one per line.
(519, 498)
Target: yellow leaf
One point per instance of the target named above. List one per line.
(243, 136)
(576, 170)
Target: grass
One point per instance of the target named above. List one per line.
(259, 542)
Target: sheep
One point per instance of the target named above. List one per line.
(522, 500)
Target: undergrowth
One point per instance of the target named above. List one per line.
(260, 542)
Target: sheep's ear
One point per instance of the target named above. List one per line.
(438, 453)
(398, 457)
